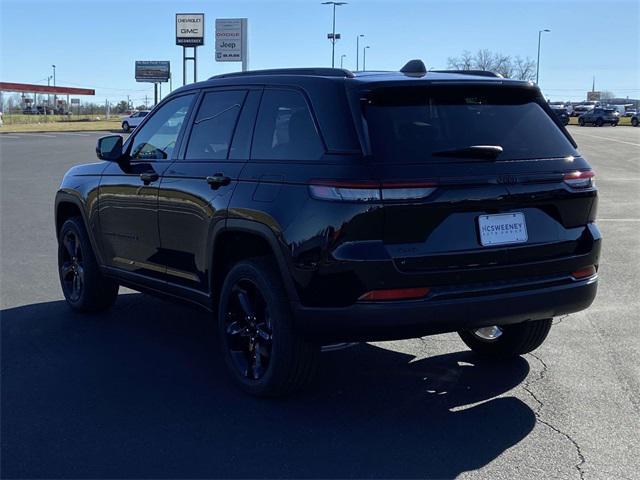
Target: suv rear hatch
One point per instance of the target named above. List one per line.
(483, 184)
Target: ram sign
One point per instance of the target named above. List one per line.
(152, 71)
(190, 29)
(231, 40)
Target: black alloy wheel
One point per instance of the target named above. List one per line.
(82, 282)
(249, 330)
(72, 267)
(265, 355)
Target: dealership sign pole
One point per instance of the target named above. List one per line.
(232, 41)
(189, 34)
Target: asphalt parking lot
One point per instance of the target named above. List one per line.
(139, 391)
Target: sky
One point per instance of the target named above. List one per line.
(95, 43)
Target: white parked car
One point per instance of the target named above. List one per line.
(133, 120)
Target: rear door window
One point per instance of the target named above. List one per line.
(418, 124)
(285, 129)
(214, 125)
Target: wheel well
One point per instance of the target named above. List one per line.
(231, 247)
(65, 211)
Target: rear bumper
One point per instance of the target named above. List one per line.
(416, 318)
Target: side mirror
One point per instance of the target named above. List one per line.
(109, 148)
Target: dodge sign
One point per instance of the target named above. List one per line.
(190, 29)
(231, 40)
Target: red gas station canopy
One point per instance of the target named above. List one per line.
(31, 88)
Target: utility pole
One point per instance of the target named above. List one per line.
(55, 97)
(358, 37)
(538, 62)
(332, 36)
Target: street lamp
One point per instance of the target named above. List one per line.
(333, 34)
(358, 51)
(538, 62)
(364, 58)
(342, 59)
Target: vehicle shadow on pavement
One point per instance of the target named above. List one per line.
(140, 392)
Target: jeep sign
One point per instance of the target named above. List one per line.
(231, 40)
(189, 29)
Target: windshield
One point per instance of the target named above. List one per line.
(414, 124)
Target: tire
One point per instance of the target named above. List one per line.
(516, 339)
(599, 122)
(581, 122)
(125, 127)
(614, 124)
(255, 326)
(634, 122)
(83, 285)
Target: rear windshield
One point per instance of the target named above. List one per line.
(411, 124)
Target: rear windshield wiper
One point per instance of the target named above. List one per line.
(481, 152)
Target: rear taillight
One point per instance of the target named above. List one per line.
(580, 179)
(370, 191)
(394, 294)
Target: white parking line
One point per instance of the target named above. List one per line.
(9, 136)
(605, 138)
(617, 220)
(40, 135)
(75, 134)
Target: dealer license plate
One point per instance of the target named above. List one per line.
(502, 229)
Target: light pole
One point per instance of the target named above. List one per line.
(364, 58)
(55, 97)
(342, 60)
(358, 51)
(538, 62)
(333, 34)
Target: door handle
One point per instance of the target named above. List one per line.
(147, 178)
(218, 180)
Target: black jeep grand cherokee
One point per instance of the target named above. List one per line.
(313, 206)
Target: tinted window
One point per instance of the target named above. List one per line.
(214, 124)
(285, 129)
(410, 124)
(142, 114)
(157, 138)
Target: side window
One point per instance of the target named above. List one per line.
(213, 126)
(285, 129)
(157, 138)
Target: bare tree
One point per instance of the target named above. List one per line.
(524, 69)
(503, 65)
(483, 59)
(465, 62)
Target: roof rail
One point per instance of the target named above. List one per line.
(478, 73)
(319, 72)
